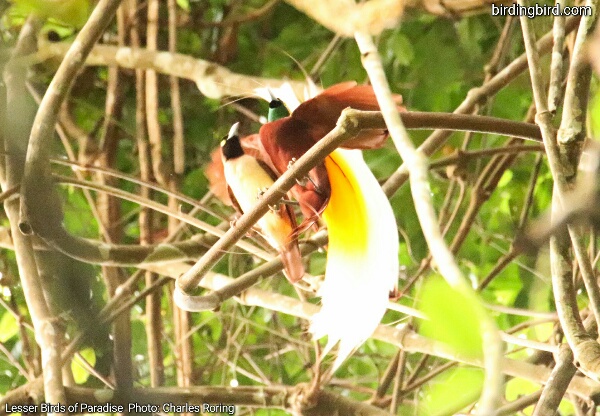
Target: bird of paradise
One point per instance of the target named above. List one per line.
(362, 257)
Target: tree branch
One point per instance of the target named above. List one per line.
(350, 123)
(559, 380)
(214, 81)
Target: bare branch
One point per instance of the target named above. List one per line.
(214, 81)
(559, 380)
(47, 333)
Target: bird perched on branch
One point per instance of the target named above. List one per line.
(362, 256)
(246, 179)
(286, 138)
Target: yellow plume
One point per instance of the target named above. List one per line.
(362, 257)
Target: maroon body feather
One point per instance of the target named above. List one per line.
(287, 139)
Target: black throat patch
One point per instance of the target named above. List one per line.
(231, 147)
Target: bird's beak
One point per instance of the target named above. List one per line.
(271, 95)
(233, 131)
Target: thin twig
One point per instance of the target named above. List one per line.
(520, 404)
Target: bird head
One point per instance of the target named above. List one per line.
(277, 109)
(231, 147)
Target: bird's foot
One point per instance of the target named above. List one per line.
(306, 179)
(290, 202)
(259, 195)
(291, 162)
(301, 181)
(260, 192)
(317, 187)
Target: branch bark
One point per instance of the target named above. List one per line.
(559, 380)
(399, 336)
(214, 81)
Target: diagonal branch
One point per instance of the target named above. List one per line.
(350, 123)
(558, 382)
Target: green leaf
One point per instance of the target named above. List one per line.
(184, 4)
(9, 327)
(505, 179)
(595, 115)
(80, 374)
(70, 12)
(452, 391)
(403, 51)
(453, 317)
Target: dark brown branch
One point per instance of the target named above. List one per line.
(467, 122)
(557, 384)
(110, 211)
